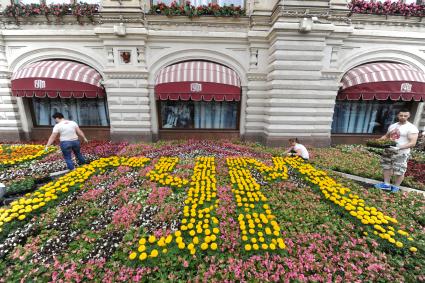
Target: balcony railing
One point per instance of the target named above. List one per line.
(387, 8)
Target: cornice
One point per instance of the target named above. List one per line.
(382, 20)
(121, 74)
(203, 21)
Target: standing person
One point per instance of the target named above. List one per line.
(68, 131)
(394, 159)
(297, 149)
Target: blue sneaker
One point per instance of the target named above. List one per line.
(383, 186)
(394, 189)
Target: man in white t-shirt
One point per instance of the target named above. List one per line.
(394, 159)
(297, 149)
(68, 132)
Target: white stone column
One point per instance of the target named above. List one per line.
(10, 122)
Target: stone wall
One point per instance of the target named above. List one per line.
(290, 56)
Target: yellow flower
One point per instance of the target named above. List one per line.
(204, 246)
(247, 247)
(399, 244)
(152, 239)
(143, 256)
(154, 253)
(132, 255)
(413, 249)
(214, 246)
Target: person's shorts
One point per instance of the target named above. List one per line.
(396, 162)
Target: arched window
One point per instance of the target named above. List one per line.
(68, 87)
(198, 95)
(372, 94)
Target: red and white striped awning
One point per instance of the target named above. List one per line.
(383, 81)
(197, 80)
(65, 79)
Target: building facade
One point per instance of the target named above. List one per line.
(280, 71)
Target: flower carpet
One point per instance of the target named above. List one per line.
(199, 211)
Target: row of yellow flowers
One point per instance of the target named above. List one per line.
(16, 154)
(160, 174)
(260, 230)
(199, 226)
(382, 224)
(19, 209)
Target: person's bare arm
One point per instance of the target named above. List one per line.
(386, 136)
(52, 138)
(298, 152)
(81, 134)
(413, 138)
(288, 150)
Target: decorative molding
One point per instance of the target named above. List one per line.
(110, 52)
(5, 75)
(256, 76)
(331, 74)
(209, 21)
(141, 55)
(253, 59)
(125, 75)
(138, 17)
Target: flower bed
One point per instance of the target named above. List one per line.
(242, 215)
(17, 154)
(365, 162)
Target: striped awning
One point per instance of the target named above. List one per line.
(53, 79)
(197, 80)
(383, 81)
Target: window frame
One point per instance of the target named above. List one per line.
(413, 109)
(30, 102)
(159, 120)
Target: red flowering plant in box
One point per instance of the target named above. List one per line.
(187, 9)
(59, 10)
(386, 8)
(85, 10)
(21, 10)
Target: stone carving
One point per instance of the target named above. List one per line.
(125, 56)
(110, 56)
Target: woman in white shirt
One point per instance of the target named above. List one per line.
(297, 149)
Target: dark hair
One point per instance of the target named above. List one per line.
(57, 115)
(403, 110)
(294, 140)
